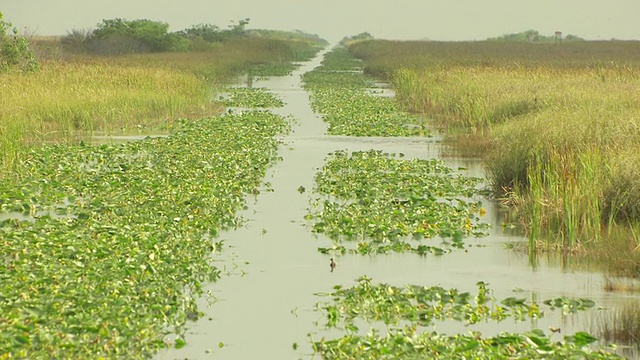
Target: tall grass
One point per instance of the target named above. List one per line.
(563, 121)
(383, 57)
(65, 97)
(471, 97)
(620, 325)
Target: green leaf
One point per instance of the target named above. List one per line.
(179, 343)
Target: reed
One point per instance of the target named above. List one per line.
(620, 325)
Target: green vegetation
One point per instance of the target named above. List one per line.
(251, 98)
(421, 306)
(105, 248)
(349, 40)
(339, 92)
(118, 36)
(386, 203)
(382, 58)
(407, 344)
(15, 53)
(380, 201)
(425, 305)
(562, 121)
(212, 33)
(79, 95)
(122, 36)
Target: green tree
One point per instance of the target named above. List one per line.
(211, 33)
(239, 28)
(206, 32)
(122, 36)
(14, 50)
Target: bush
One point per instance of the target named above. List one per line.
(14, 50)
(76, 40)
(120, 36)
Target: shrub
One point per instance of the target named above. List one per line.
(14, 50)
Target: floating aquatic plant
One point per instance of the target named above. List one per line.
(380, 200)
(251, 98)
(408, 343)
(339, 92)
(422, 306)
(116, 240)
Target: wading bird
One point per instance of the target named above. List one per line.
(332, 264)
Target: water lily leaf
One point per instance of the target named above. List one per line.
(179, 343)
(581, 338)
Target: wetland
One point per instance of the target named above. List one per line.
(490, 298)
(318, 215)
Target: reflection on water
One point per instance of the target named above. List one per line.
(264, 308)
(620, 325)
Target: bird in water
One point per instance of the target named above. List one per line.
(332, 264)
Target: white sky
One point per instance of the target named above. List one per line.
(334, 19)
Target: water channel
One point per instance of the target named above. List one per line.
(264, 304)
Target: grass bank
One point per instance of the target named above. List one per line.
(562, 122)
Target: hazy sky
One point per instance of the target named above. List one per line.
(334, 19)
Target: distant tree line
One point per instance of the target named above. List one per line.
(535, 37)
(15, 53)
(121, 36)
(363, 36)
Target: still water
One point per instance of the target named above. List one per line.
(263, 307)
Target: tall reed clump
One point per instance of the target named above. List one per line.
(569, 172)
(620, 325)
(560, 197)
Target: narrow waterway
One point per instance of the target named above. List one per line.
(263, 307)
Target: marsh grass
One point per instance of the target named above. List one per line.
(86, 96)
(383, 57)
(486, 99)
(562, 124)
(620, 325)
(620, 255)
